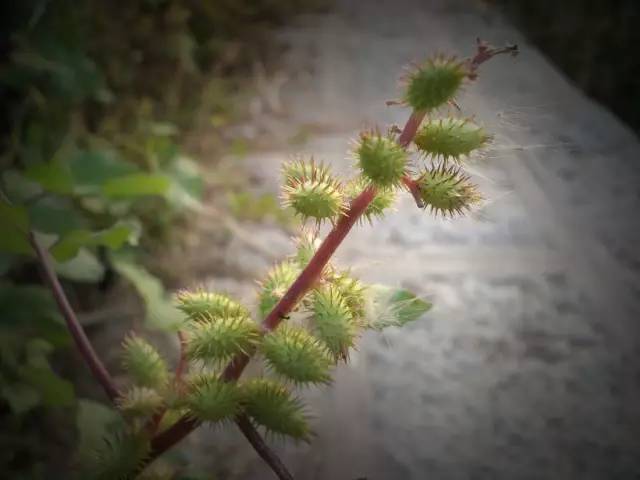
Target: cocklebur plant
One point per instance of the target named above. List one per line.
(309, 313)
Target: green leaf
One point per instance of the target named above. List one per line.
(84, 267)
(115, 237)
(187, 184)
(31, 309)
(93, 421)
(17, 187)
(20, 397)
(136, 185)
(92, 168)
(53, 176)
(56, 215)
(391, 307)
(53, 390)
(161, 312)
(14, 238)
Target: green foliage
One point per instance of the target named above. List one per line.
(93, 164)
(276, 284)
(333, 320)
(220, 338)
(212, 400)
(143, 362)
(67, 247)
(161, 312)
(381, 159)
(450, 138)
(296, 355)
(203, 305)
(390, 307)
(271, 405)
(446, 190)
(434, 83)
(16, 220)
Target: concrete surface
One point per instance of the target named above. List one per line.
(528, 367)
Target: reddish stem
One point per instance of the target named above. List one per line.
(165, 440)
(182, 363)
(83, 344)
(410, 128)
(256, 441)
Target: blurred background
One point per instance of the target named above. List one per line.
(157, 128)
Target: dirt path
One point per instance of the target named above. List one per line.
(527, 367)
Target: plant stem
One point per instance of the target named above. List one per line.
(166, 439)
(258, 444)
(83, 344)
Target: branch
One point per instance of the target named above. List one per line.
(258, 444)
(485, 51)
(166, 439)
(83, 344)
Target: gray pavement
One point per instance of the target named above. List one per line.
(528, 366)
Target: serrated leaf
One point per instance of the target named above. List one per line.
(392, 307)
(161, 313)
(137, 185)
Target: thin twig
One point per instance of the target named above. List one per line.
(77, 332)
(258, 444)
(486, 51)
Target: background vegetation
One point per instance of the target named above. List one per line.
(98, 98)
